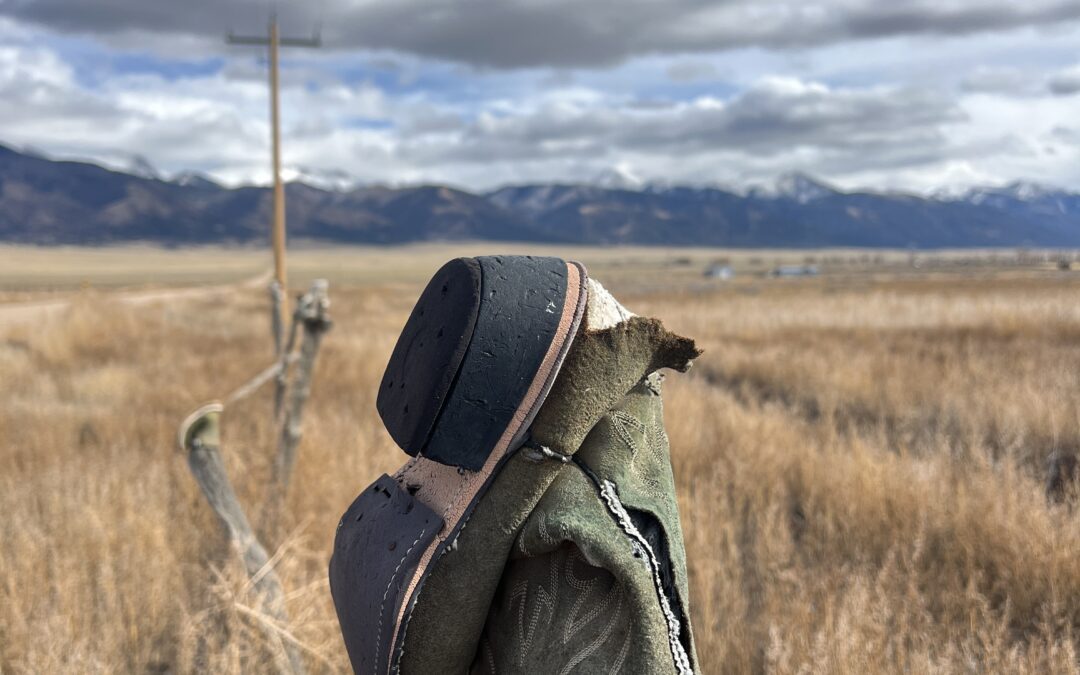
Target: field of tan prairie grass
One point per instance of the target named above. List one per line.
(859, 459)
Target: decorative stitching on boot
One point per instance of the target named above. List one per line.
(545, 536)
(584, 586)
(652, 435)
(604, 634)
(621, 658)
(490, 653)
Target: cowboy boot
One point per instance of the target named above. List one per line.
(566, 462)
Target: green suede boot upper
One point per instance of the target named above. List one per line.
(573, 561)
(582, 594)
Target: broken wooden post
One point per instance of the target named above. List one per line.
(200, 438)
(312, 316)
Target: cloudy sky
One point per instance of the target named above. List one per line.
(918, 95)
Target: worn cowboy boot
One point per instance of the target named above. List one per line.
(572, 557)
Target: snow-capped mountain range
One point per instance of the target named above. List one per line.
(44, 201)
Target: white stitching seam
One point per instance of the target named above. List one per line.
(382, 605)
(611, 498)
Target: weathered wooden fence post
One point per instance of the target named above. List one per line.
(200, 436)
(312, 315)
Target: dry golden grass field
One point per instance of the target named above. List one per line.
(859, 456)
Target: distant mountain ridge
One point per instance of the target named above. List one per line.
(43, 201)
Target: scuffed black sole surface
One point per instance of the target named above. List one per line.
(521, 304)
(429, 353)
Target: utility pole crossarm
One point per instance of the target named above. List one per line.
(313, 42)
(246, 40)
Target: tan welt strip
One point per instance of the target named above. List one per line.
(449, 492)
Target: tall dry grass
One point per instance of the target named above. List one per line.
(858, 466)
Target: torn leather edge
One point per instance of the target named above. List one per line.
(472, 485)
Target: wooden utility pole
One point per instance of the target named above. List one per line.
(279, 189)
(274, 41)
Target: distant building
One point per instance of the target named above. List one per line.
(722, 272)
(795, 271)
